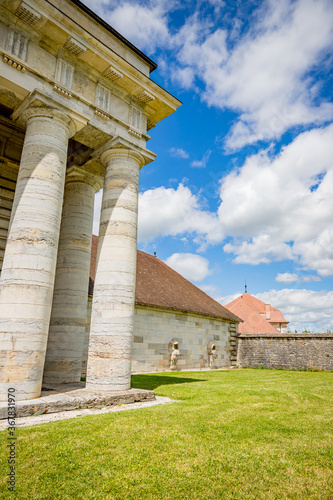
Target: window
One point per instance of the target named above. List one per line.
(103, 98)
(17, 44)
(64, 74)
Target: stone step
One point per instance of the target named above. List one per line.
(72, 397)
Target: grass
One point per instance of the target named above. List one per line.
(242, 434)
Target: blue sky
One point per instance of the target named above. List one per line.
(242, 185)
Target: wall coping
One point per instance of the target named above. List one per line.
(285, 335)
(139, 305)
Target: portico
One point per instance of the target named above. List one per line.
(76, 102)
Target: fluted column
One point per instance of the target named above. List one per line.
(109, 356)
(69, 309)
(28, 270)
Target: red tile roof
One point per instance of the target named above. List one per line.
(160, 286)
(253, 313)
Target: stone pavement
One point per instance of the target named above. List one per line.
(59, 398)
(65, 415)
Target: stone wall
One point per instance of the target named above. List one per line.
(289, 351)
(155, 328)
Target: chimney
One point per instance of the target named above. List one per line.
(268, 311)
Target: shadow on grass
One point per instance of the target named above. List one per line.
(150, 382)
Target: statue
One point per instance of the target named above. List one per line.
(211, 349)
(174, 347)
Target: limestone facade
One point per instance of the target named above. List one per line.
(76, 102)
(176, 325)
(155, 328)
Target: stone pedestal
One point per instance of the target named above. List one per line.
(69, 309)
(28, 272)
(109, 356)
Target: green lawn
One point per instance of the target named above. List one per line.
(238, 434)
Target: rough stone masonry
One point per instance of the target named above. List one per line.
(305, 351)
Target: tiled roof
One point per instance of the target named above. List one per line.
(253, 313)
(160, 286)
(277, 316)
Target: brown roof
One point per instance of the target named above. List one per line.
(160, 286)
(253, 313)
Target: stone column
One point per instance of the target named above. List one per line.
(69, 309)
(109, 357)
(86, 339)
(28, 270)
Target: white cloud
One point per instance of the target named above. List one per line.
(203, 162)
(273, 208)
(183, 76)
(193, 267)
(179, 153)
(293, 277)
(145, 24)
(302, 308)
(199, 50)
(226, 299)
(200, 47)
(209, 289)
(280, 207)
(264, 76)
(168, 211)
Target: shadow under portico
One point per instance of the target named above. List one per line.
(152, 381)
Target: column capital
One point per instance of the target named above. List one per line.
(77, 174)
(107, 155)
(39, 103)
(120, 147)
(48, 112)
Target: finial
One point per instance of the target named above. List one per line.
(245, 287)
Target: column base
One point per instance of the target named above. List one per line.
(67, 397)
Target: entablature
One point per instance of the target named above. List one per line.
(61, 34)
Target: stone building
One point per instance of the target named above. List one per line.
(257, 316)
(168, 310)
(76, 102)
